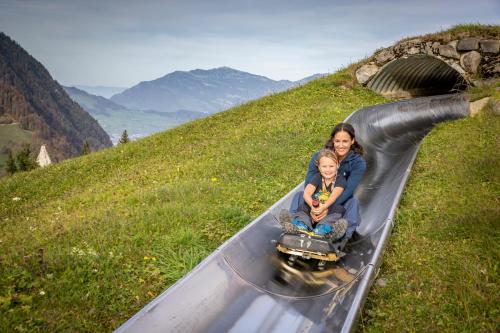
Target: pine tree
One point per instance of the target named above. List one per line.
(86, 148)
(124, 139)
(25, 161)
(11, 166)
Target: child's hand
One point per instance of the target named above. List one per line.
(317, 218)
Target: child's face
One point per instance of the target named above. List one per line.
(327, 167)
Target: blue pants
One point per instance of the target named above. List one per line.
(303, 217)
(351, 214)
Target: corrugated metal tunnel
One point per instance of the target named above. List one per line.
(417, 75)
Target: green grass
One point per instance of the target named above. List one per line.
(471, 29)
(441, 264)
(174, 197)
(484, 31)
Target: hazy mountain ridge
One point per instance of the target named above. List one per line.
(31, 97)
(115, 118)
(93, 104)
(201, 90)
(102, 91)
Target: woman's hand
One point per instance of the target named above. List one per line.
(319, 213)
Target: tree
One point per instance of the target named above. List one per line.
(25, 161)
(11, 166)
(86, 148)
(124, 139)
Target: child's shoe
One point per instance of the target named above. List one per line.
(322, 230)
(334, 232)
(289, 226)
(300, 225)
(339, 229)
(285, 220)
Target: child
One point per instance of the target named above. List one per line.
(320, 195)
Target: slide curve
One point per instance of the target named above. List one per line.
(244, 285)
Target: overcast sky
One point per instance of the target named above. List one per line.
(120, 43)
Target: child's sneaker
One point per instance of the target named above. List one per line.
(334, 232)
(339, 229)
(300, 225)
(289, 226)
(322, 230)
(285, 220)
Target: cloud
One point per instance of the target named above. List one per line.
(120, 43)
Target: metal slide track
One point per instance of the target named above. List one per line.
(244, 286)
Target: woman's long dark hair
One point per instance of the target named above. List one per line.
(345, 127)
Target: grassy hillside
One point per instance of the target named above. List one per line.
(92, 240)
(441, 265)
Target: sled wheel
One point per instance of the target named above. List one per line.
(321, 265)
(291, 260)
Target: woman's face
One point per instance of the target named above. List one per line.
(342, 143)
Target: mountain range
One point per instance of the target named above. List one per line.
(206, 91)
(103, 91)
(115, 118)
(31, 99)
(161, 104)
(35, 107)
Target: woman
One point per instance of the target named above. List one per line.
(352, 166)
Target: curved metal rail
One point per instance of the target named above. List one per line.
(243, 286)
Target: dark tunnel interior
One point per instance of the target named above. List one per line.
(417, 75)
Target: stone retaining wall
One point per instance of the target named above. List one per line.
(471, 57)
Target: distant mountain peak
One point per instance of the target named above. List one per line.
(216, 69)
(201, 90)
(103, 91)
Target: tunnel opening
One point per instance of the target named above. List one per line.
(417, 75)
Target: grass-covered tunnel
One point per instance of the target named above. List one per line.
(417, 75)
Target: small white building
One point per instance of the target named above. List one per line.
(43, 158)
